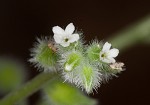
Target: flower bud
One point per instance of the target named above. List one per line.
(88, 77)
(44, 55)
(72, 61)
(93, 51)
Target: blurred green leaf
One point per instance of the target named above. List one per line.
(137, 33)
(59, 93)
(147, 40)
(11, 74)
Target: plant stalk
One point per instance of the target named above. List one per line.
(27, 89)
(134, 34)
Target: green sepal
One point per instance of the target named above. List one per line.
(73, 60)
(93, 51)
(87, 78)
(46, 56)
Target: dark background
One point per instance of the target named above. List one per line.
(23, 20)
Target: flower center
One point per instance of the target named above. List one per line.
(66, 39)
(103, 55)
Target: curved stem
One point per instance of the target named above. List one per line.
(27, 89)
(134, 34)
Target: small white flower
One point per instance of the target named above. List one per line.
(65, 37)
(107, 55)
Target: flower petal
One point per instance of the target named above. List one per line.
(58, 30)
(105, 60)
(65, 44)
(111, 60)
(106, 47)
(58, 38)
(70, 28)
(113, 52)
(74, 37)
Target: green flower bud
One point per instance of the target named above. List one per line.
(44, 55)
(72, 61)
(93, 51)
(87, 76)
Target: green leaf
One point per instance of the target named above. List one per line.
(59, 93)
(11, 74)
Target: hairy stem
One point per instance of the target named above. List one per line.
(28, 89)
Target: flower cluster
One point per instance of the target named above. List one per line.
(86, 66)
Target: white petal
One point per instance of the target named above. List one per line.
(58, 30)
(65, 44)
(106, 47)
(106, 60)
(111, 60)
(74, 37)
(70, 28)
(58, 38)
(113, 52)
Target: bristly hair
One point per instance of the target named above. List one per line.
(42, 56)
(95, 77)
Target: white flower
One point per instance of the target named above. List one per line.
(107, 55)
(65, 37)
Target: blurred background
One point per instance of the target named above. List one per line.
(21, 21)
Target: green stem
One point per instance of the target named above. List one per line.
(28, 89)
(134, 34)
